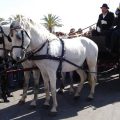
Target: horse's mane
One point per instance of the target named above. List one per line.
(28, 23)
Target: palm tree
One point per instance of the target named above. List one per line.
(51, 21)
(1, 19)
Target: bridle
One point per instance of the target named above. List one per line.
(2, 40)
(18, 37)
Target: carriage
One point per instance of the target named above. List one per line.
(107, 61)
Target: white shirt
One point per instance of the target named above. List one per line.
(104, 15)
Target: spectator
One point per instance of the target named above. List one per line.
(79, 32)
(72, 33)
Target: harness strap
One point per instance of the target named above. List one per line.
(41, 57)
(59, 69)
(34, 52)
(48, 47)
(30, 54)
(60, 60)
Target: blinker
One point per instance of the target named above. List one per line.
(18, 35)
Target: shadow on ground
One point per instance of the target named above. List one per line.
(107, 92)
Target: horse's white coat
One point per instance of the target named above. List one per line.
(76, 51)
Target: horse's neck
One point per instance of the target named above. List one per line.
(39, 36)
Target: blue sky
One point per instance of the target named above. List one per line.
(73, 13)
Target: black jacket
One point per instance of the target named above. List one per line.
(109, 18)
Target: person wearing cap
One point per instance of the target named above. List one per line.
(104, 23)
(115, 37)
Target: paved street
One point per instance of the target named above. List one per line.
(105, 106)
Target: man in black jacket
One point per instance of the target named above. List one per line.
(105, 24)
(115, 37)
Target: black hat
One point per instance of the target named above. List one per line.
(105, 5)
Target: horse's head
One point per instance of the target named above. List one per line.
(5, 40)
(24, 34)
(20, 39)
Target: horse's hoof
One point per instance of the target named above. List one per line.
(53, 114)
(76, 97)
(46, 106)
(21, 102)
(89, 99)
(60, 92)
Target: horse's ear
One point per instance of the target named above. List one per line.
(21, 21)
(11, 19)
(20, 18)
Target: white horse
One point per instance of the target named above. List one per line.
(4, 36)
(7, 45)
(26, 34)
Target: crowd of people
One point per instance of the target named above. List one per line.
(73, 33)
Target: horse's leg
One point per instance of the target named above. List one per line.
(62, 85)
(82, 75)
(52, 76)
(25, 87)
(46, 86)
(92, 65)
(60, 91)
(36, 75)
(71, 90)
(93, 80)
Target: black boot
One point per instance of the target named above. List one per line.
(6, 100)
(9, 95)
(4, 97)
